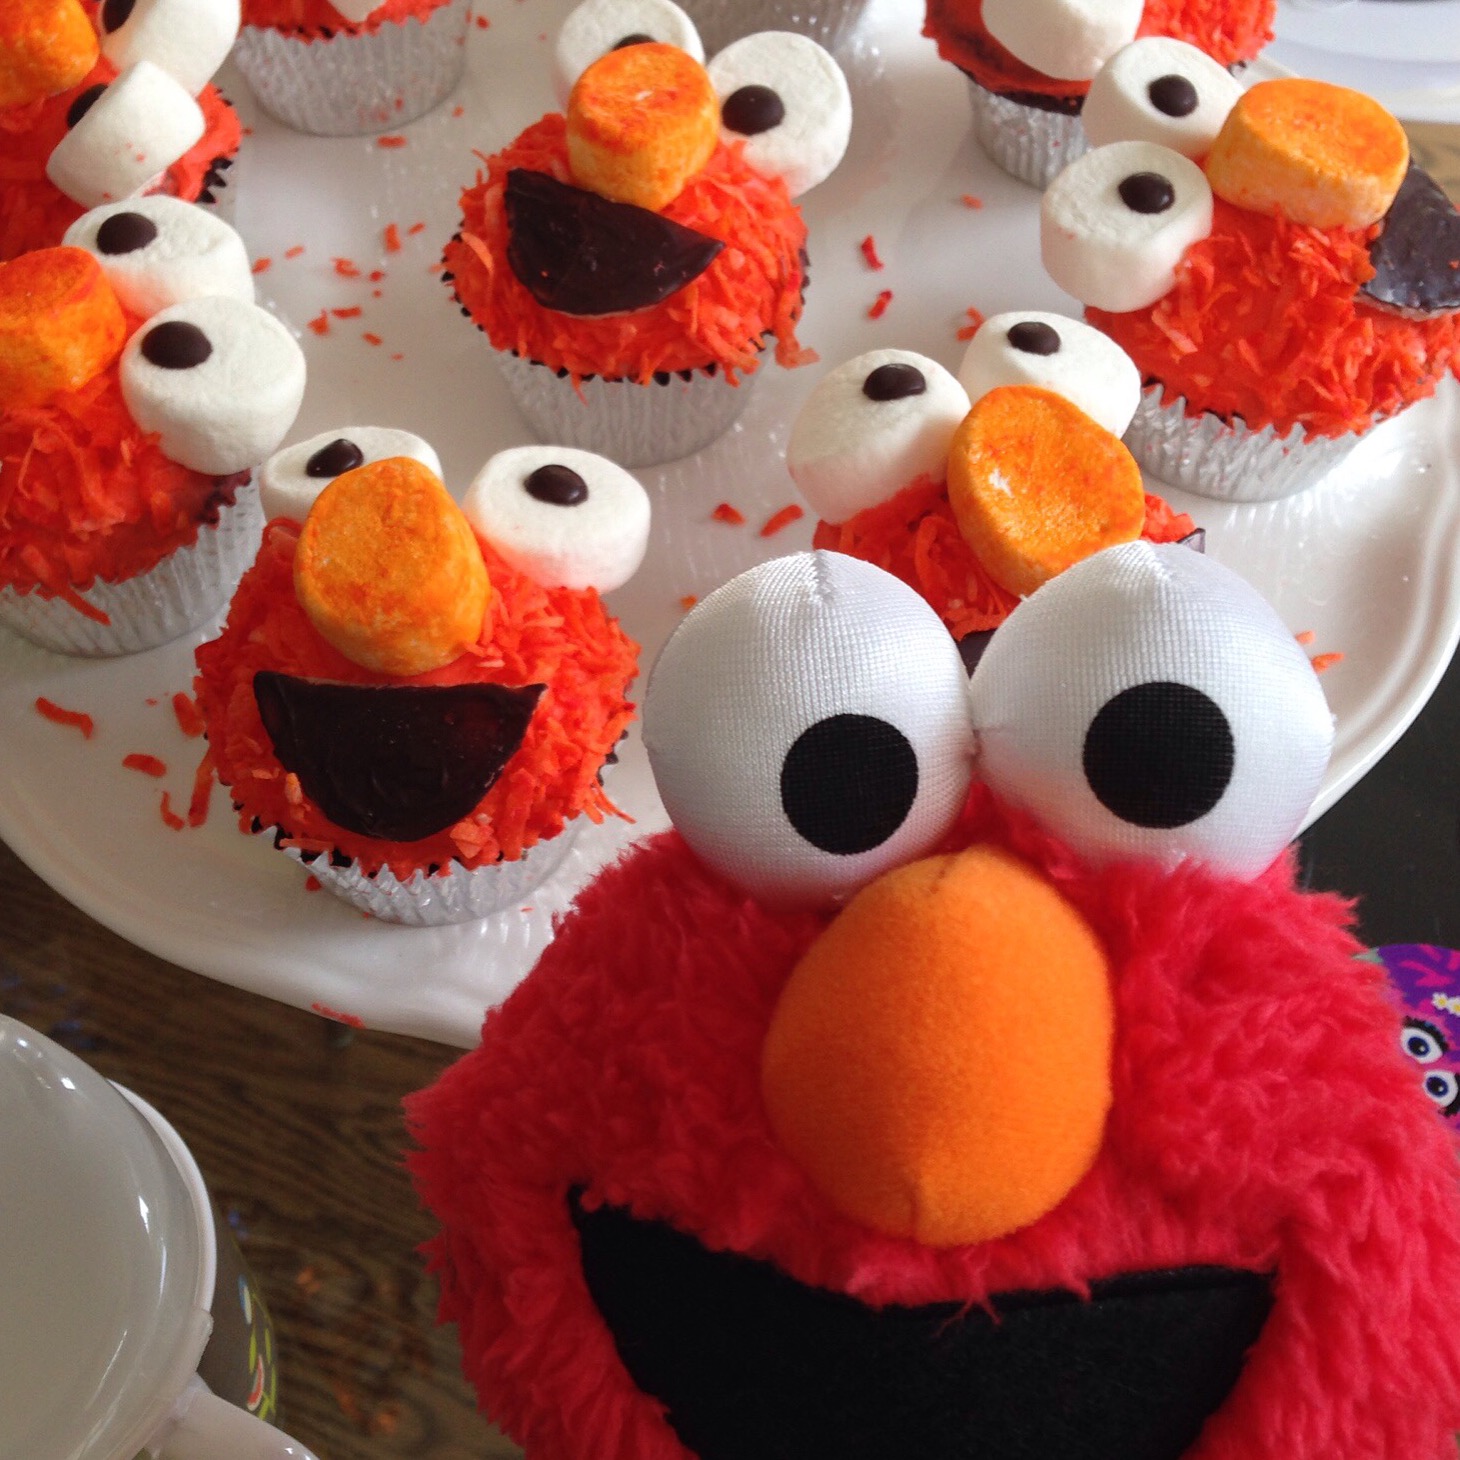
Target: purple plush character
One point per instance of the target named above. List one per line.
(1426, 981)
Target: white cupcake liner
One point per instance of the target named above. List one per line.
(455, 895)
(184, 590)
(348, 85)
(828, 22)
(632, 424)
(1225, 460)
(1028, 142)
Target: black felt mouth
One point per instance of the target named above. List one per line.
(752, 1365)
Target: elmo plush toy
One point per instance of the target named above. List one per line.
(964, 1075)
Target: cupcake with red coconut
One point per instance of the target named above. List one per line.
(417, 700)
(976, 489)
(141, 385)
(1280, 300)
(631, 261)
(104, 102)
(348, 67)
(1030, 63)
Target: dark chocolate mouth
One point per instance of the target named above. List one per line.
(752, 1365)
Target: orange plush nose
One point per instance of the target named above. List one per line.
(939, 1061)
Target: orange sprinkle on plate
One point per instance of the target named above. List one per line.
(782, 519)
(390, 142)
(76, 719)
(869, 252)
(392, 238)
(149, 765)
(879, 305)
(728, 514)
(169, 816)
(189, 717)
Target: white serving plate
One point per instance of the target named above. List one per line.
(1364, 562)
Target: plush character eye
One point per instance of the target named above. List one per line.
(808, 728)
(1056, 353)
(1114, 224)
(1070, 39)
(1160, 90)
(566, 518)
(290, 480)
(599, 26)
(159, 251)
(1148, 703)
(872, 427)
(787, 100)
(1422, 1042)
(125, 137)
(1443, 1087)
(189, 39)
(219, 380)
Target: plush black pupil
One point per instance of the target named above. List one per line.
(1034, 337)
(1147, 192)
(637, 39)
(752, 110)
(125, 233)
(1159, 754)
(559, 485)
(848, 783)
(337, 457)
(83, 104)
(1172, 96)
(114, 14)
(894, 382)
(176, 345)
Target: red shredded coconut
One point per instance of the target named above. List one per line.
(353, 312)
(392, 238)
(320, 324)
(726, 513)
(169, 816)
(971, 200)
(149, 765)
(263, 265)
(76, 719)
(458, 111)
(319, 17)
(688, 601)
(782, 519)
(869, 252)
(975, 323)
(185, 710)
(879, 305)
(1321, 662)
(416, 228)
(202, 790)
(313, 884)
(371, 339)
(1305, 636)
(294, 252)
(390, 141)
(751, 290)
(483, 23)
(375, 276)
(346, 268)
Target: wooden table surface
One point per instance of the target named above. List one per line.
(296, 1123)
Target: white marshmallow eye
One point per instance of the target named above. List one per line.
(1070, 39)
(872, 427)
(219, 380)
(1056, 353)
(1160, 90)
(597, 27)
(808, 728)
(1114, 224)
(189, 39)
(291, 479)
(124, 136)
(566, 518)
(1149, 704)
(158, 251)
(787, 100)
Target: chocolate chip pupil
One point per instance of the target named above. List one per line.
(1173, 96)
(1147, 192)
(176, 345)
(115, 13)
(753, 110)
(1034, 337)
(125, 233)
(83, 104)
(332, 460)
(637, 39)
(894, 382)
(560, 485)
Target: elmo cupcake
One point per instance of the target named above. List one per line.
(631, 260)
(88, 118)
(416, 699)
(964, 1074)
(1280, 299)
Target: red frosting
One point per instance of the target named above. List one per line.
(310, 18)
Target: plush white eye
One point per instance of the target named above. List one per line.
(291, 479)
(1161, 90)
(1070, 39)
(1422, 1042)
(872, 427)
(189, 39)
(219, 380)
(1148, 703)
(124, 137)
(566, 518)
(787, 100)
(158, 251)
(808, 728)
(597, 27)
(1114, 224)
(1057, 353)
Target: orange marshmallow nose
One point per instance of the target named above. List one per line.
(939, 1061)
(642, 121)
(1316, 153)
(389, 570)
(60, 324)
(46, 47)
(1036, 486)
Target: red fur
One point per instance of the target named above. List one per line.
(1264, 1118)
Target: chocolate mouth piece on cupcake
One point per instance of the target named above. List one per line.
(1416, 257)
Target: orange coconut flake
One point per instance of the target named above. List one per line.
(58, 715)
(149, 765)
(185, 710)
